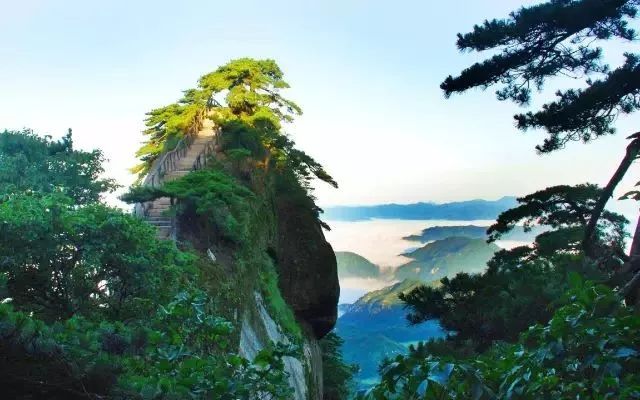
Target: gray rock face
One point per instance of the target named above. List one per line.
(305, 374)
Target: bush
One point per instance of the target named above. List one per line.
(588, 350)
(180, 352)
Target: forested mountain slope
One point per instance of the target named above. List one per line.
(95, 305)
(447, 257)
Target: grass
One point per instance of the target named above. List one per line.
(278, 308)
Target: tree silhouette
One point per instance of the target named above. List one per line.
(561, 38)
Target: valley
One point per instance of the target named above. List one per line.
(380, 258)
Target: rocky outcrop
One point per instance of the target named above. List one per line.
(259, 329)
(307, 268)
(286, 229)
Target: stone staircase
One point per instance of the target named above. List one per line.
(190, 155)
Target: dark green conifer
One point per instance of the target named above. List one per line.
(562, 38)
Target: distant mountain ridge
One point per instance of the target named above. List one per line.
(387, 297)
(352, 265)
(375, 326)
(472, 231)
(459, 210)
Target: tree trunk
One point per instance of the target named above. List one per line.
(588, 242)
(635, 244)
(630, 291)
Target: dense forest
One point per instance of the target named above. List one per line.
(216, 281)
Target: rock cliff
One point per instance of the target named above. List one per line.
(307, 268)
(284, 281)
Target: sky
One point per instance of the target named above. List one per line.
(366, 73)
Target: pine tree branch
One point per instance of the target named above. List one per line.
(630, 155)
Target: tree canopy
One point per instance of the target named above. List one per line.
(556, 38)
(244, 89)
(567, 210)
(244, 100)
(521, 286)
(587, 350)
(29, 162)
(94, 305)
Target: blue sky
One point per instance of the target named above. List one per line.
(365, 72)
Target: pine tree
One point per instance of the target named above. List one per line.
(561, 38)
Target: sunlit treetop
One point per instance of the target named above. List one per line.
(245, 89)
(253, 90)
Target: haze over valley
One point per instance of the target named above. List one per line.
(387, 242)
(378, 258)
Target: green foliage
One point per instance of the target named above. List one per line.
(277, 305)
(588, 350)
(489, 307)
(165, 127)
(254, 91)
(29, 162)
(252, 97)
(192, 358)
(567, 210)
(337, 375)
(141, 194)
(249, 116)
(557, 37)
(585, 114)
(210, 193)
(93, 305)
(60, 259)
(273, 150)
(521, 286)
(179, 352)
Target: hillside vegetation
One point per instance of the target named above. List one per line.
(352, 265)
(94, 305)
(447, 257)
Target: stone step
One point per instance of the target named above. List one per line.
(207, 126)
(176, 174)
(162, 201)
(159, 221)
(186, 165)
(156, 218)
(157, 213)
(195, 149)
